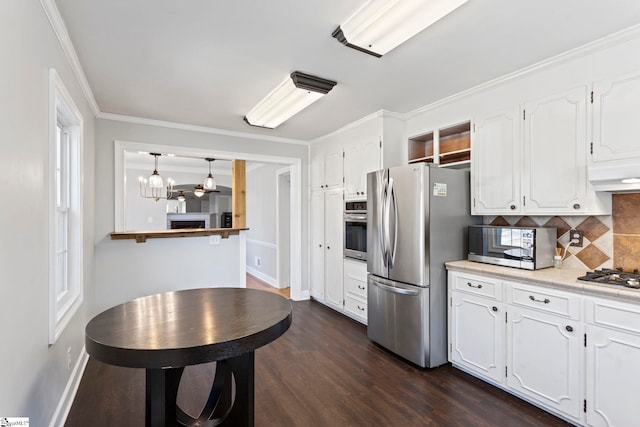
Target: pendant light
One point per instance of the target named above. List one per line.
(209, 181)
(155, 180)
(151, 188)
(198, 191)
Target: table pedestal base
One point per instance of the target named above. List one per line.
(222, 407)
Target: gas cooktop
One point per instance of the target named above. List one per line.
(613, 277)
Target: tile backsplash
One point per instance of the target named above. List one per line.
(610, 241)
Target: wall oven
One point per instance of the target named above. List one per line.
(355, 230)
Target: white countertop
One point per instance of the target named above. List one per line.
(559, 278)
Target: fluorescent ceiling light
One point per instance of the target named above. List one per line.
(297, 92)
(381, 25)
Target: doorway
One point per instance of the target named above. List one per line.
(283, 227)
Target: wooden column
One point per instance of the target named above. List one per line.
(239, 193)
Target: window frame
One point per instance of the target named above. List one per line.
(65, 203)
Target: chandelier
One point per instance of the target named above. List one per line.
(152, 187)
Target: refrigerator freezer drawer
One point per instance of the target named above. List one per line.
(396, 318)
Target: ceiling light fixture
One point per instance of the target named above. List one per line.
(209, 181)
(152, 188)
(181, 197)
(198, 191)
(381, 25)
(297, 92)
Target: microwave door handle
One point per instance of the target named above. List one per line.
(392, 197)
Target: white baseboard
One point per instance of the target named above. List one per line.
(301, 296)
(64, 405)
(270, 280)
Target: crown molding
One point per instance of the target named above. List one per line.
(594, 46)
(377, 114)
(195, 128)
(60, 30)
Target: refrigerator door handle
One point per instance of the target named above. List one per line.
(382, 191)
(392, 196)
(387, 223)
(394, 289)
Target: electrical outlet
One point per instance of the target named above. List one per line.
(215, 239)
(576, 235)
(69, 358)
(258, 261)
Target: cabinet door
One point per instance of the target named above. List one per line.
(333, 168)
(615, 115)
(476, 334)
(495, 173)
(544, 359)
(613, 375)
(333, 237)
(351, 172)
(555, 153)
(317, 169)
(368, 161)
(317, 245)
(359, 160)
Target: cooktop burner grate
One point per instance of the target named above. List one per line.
(613, 277)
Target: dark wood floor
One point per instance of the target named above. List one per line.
(322, 372)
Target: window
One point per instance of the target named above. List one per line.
(65, 218)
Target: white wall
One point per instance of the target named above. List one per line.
(143, 267)
(34, 374)
(261, 220)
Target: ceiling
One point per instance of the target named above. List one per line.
(208, 62)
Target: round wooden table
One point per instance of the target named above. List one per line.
(164, 333)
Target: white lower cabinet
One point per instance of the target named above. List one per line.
(612, 363)
(355, 289)
(544, 354)
(477, 335)
(525, 339)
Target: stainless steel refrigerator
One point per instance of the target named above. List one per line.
(417, 220)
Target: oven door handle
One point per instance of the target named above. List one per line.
(355, 218)
(395, 290)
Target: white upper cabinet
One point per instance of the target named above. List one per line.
(616, 134)
(495, 178)
(326, 167)
(360, 159)
(555, 153)
(533, 160)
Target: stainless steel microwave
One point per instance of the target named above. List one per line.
(520, 247)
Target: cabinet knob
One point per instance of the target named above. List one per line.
(576, 206)
(474, 286)
(361, 287)
(360, 308)
(322, 186)
(328, 247)
(512, 207)
(569, 328)
(494, 308)
(319, 246)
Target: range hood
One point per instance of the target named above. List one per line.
(615, 178)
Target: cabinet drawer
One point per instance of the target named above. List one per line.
(478, 285)
(356, 287)
(356, 307)
(613, 314)
(543, 299)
